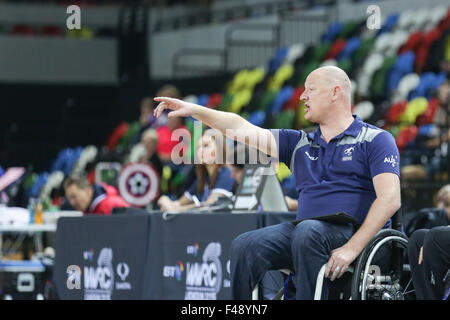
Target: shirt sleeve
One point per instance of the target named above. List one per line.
(383, 155)
(286, 141)
(191, 191)
(224, 182)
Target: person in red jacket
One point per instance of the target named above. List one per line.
(96, 199)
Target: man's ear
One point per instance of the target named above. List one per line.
(336, 92)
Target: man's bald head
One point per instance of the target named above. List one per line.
(332, 76)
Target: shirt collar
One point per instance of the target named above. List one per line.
(353, 130)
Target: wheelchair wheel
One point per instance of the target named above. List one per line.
(380, 272)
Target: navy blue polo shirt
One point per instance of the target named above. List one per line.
(337, 177)
(224, 184)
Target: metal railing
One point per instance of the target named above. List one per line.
(250, 45)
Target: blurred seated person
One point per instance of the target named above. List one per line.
(442, 117)
(237, 169)
(213, 177)
(150, 140)
(429, 259)
(167, 90)
(428, 218)
(443, 200)
(95, 199)
(165, 142)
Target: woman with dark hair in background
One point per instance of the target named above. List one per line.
(213, 178)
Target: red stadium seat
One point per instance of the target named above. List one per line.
(120, 130)
(423, 49)
(395, 111)
(52, 31)
(405, 136)
(294, 101)
(22, 30)
(214, 100)
(414, 41)
(428, 116)
(335, 49)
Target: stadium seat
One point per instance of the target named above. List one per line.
(346, 65)
(428, 116)
(406, 136)
(240, 100)
(414, 108)
(420, 18)
(414, 41)
(383, 42)
(214, 100)
(351, 46)
(191, 98)
(348, 30)
(398, 38)
(295, 52)
(276, 61)
(307, 70)
(320, 51)
(281, 99)
(364, 110)
(285, 120)
(379, 85)
(429, 82)
(257, 118)
(437, 14)
(226, 101)
(332, 32)
(267, 99)
(403, 65)
(389, 24)
(294, 101)
(239, 81)
(405, 20)
(51, 31)
(422, 51)
(335, 49)
(203, 99)
(117, 133)
(406, 84)
(283, 74)
(363, 50)
(395, 111)
(22, 30)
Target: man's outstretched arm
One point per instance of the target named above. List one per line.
(227, 123)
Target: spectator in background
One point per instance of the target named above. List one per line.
(442, 117)
(150, 140)
(429, 259)
(443, 199)
(165, 142)
(213, 177)
(96, 199)
(146, 118)
(168, 125)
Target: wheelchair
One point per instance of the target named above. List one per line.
(380, 272)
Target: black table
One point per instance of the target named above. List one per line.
(150, 256)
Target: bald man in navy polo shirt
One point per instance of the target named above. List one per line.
(346, 165)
